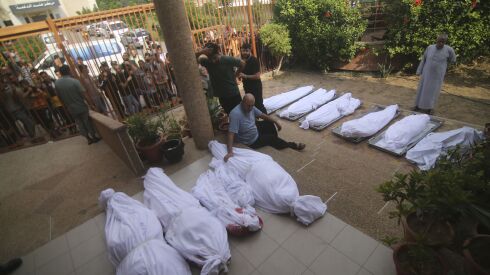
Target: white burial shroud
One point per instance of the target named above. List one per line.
(134, 237)
(278, 101)
(153, 257)
(308, 103)
(212, 194)
(431, 147)
(189, 228)
(401, 133)
(239, 191)
(274, 189)
(368, 124)
(342, 106)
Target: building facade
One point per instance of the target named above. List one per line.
(18, 12)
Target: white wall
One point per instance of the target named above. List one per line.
(72, 6)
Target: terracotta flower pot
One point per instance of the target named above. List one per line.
(400, 253)
(476, 261)
(152, 153)
(439, 233)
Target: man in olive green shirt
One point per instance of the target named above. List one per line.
(221, 69)
(70, 91)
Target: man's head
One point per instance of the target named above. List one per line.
(79, 60)
(248, 103)
(246, 50)
(213, 49)
(147, 57)
(125, 56)
(65, 70)
(45, 75)
(441, 40)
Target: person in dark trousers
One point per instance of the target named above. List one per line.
(71, 92)
(251, 76)
(222, 73)
(10, 266)
(255, 134)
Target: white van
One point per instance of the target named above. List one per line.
(50, 42)
(93, 54)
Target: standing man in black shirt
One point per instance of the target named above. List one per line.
(251, 76)
(223, 71)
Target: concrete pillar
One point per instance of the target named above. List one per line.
(178, 39)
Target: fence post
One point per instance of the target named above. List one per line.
(178, 39)
(251, 25)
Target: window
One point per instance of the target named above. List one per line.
(118, 26)
(49, 40)
(107, 49)
(8, 23)
(84, 53)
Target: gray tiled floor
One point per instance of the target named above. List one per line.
(327, 247)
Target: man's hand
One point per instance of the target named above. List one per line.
(228, 156)
(242, 75)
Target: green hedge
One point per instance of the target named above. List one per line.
(413, 25)
(323, 32)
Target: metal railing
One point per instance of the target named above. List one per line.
(103, 49)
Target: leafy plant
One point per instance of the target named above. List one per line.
(214, 109)
(174, 129)
(276, 38)
(419, 260)
(458, 186)
(390, 241)
(146, 130)
(323, 32)
(384, 70)
(413, 25)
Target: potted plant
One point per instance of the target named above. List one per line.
(418, 259)
(477, 253)
(415, 210)
(173, 148)
(215, 112)
(147, 134)
(186, 129)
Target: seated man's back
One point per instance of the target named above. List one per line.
(243, 124)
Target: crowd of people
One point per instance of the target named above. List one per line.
(136, 83)
(28, 97)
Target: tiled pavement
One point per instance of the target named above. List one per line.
(327, 247)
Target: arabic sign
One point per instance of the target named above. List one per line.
(27, 7)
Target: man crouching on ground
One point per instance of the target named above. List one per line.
(252, 133)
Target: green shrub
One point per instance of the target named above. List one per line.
(458, 186)
(146, 130)
(322, 31)
(276, 38)
(413, 25)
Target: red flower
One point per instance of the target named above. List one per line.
(418, 2)
(327, 14)
(473, 4)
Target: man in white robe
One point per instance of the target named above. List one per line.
(432, 69)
